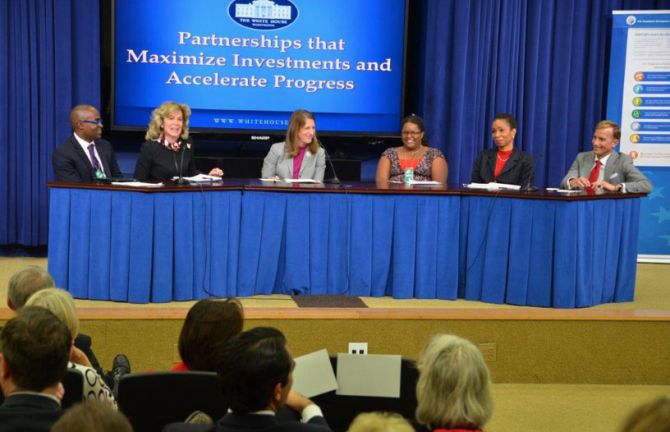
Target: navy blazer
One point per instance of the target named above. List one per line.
(29, 412)
(233, 422)
(71, 163)
(519, 169)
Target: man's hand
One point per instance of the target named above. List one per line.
(297, 402)
(602, 184)
(580, 183)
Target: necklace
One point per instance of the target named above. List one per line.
(501, 159)
(412, 154)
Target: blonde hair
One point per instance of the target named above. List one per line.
(605, 124)
(60, 303)
(92, 416)
(454, 386)
(298, 120)
(165, 110)
(380, 422)
(654, 416)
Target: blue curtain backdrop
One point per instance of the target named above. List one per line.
(50, 61)
(545, 61)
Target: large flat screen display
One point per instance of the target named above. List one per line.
(245, 65)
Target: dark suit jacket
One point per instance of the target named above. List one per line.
(158, 163)
(233, 422)
(28, 412)
(519, 169)
(83, 342)
(71, 164)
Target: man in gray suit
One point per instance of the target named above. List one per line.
(603, 168)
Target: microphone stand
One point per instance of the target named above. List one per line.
(334, 179)
(181, 180)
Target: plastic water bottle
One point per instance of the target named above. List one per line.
(409, 175)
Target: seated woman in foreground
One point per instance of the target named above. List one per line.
(454, 387)
(208, 326)
(505, 163)
(427, 163)
(300, 156)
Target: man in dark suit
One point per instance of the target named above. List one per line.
(256, 375)
(35, 351)
(84, 156)
(603, 168)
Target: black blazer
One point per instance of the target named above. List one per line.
(233, 422)
(158, 163)
(71, 164)
(519, 169)
(28, 412)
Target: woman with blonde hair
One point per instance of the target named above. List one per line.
(300, 156)
(168, 149)
(61, 304)
(454, 387)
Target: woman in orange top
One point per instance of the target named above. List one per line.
(428, 163)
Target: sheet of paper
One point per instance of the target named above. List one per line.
(138, 184)
(564, 190)
(287, 180)
(200, 178)
(373, 375)
(424, 182)
(492, 186)
(313, 374)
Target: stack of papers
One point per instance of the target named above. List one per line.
(287, 180)
(201, 178)
(493, 186)
(138, 184)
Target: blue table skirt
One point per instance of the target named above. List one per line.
(144, 247)
(159, 247)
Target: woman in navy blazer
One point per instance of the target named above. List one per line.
(506, 163)
(300, 156)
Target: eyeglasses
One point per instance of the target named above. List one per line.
(97, 122)
(412, 133)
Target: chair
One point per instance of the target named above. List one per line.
(73, 383)
(340, 410)
(152, 400)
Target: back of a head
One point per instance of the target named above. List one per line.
(454, 386)
(25, 283)
(60, 303)
(210, 323)
(380, 422)
(92, 416)
(251, 365)
(36, 346)
(653, 416)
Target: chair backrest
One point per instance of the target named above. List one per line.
(73, 383)
(152, 400)
(340, 411)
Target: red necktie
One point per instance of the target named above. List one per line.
(595, 172)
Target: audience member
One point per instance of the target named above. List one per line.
(653, 416)
(85, 157)
(24, 283)
(380, 422)
(92, 416)
(256, 373)
(454, 388)
(35, 349)
(209, 324)
(60, 302)
(31, 279)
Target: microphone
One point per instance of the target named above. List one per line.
(181, 180)
(334, 179)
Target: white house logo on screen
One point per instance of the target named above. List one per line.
(630, 20)
(263, 14)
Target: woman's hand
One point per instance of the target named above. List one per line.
(218, 172)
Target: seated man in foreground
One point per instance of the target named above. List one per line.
(256, 375)
(603, 168)
(35, 351)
